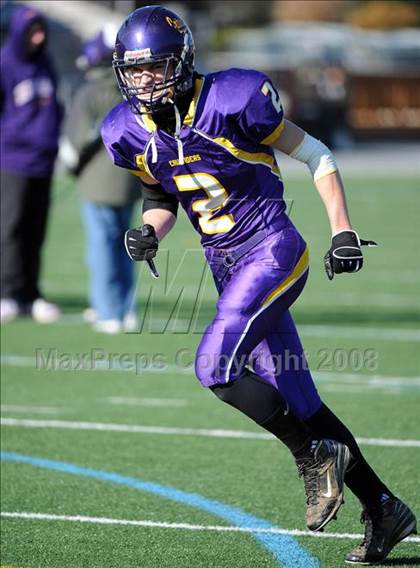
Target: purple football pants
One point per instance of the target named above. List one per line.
(257, 283)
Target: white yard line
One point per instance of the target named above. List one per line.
(308, 330)
(182, 526)
(211, 433)
(331, 330)
(9, 360)
(360, 332)
(356, 389)
(360, 378)
(30, 409)
(373, 381)
(158, 402)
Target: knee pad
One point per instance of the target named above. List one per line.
(253, 396)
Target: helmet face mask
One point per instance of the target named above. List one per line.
(154, 94)
(153, 59)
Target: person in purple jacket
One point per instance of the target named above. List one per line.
(29, 120)
(207, 142)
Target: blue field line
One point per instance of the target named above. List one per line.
(286, 550)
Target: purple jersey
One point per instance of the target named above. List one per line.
(230, 184)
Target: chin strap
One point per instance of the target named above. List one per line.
(180, 146)
(154, 149)
(177, 134)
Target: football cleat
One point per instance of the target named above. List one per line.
(323, 474)
(385, 526)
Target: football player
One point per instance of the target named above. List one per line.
(207, 142)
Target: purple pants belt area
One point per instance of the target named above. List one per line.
(223, 259)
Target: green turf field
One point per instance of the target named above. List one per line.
(184, 462)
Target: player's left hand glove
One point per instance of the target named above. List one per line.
(345, 254)
(141, 243)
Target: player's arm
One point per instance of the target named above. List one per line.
(161, 220)
(345, 254)
(300, 145)
(159, 216)
(159, 208)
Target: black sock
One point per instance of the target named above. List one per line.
(360, 477)
(261, 402)
(291, 431)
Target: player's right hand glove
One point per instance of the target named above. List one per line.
(141, 243)
(345, 254)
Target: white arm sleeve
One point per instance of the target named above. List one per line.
(316, 156)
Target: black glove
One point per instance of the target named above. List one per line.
(345, 254)
(141, 243)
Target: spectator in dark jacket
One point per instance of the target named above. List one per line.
(107, 196)
(29, 122)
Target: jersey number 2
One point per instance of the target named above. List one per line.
(206, 208)
(268, 88)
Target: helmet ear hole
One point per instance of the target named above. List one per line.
(153, 35)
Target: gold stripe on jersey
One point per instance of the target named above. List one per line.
(251, 157)
(135, 173)
(274, 135)
(149, 123)
(188, 120)
(142, 165)
(140, 162)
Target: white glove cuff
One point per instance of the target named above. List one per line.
(347, 231)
